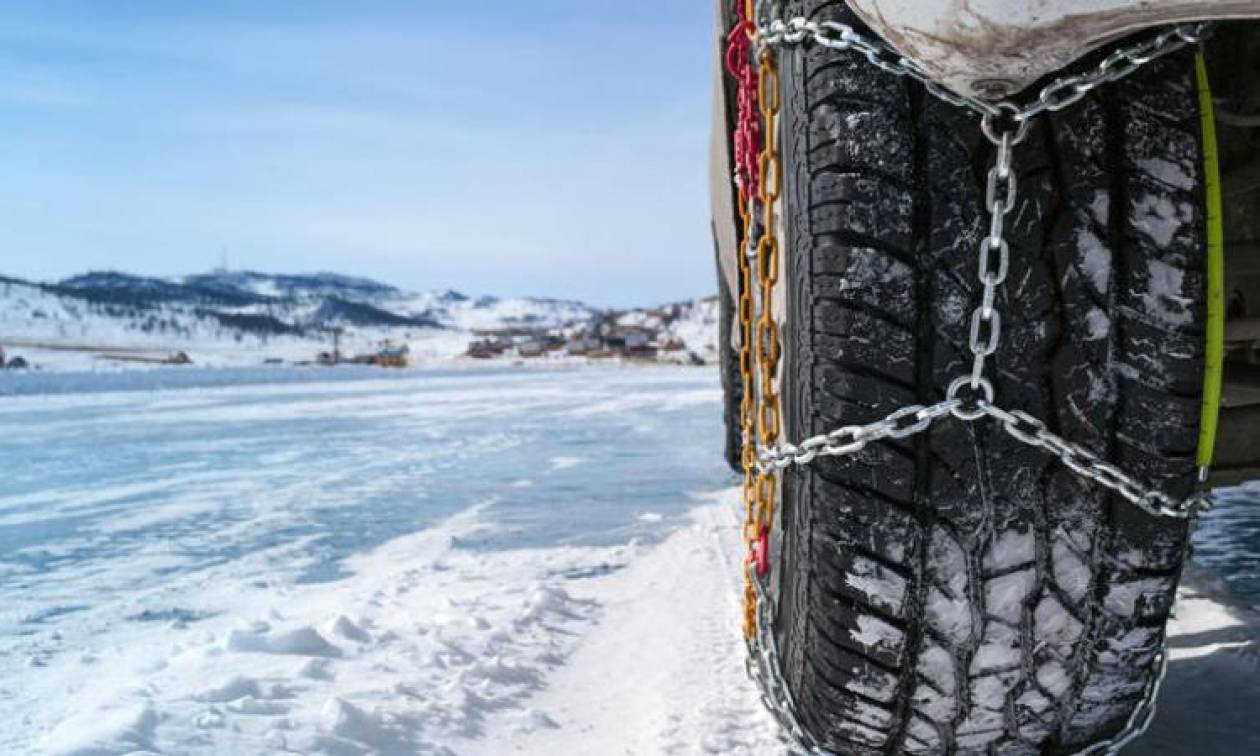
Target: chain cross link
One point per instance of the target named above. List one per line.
(1057, 95)
(970, 397)
(764, 665)
(1005, 124)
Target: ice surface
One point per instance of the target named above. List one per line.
(229, 567)
(1229, 540)
(312, 567)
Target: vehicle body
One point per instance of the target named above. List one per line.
(994, 48)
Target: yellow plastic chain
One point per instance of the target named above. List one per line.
(760, 409)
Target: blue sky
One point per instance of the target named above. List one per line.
(550, 147)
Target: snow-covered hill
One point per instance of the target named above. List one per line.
(245, 318)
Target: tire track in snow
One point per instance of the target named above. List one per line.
(663, 670)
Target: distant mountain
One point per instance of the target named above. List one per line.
(338, 311)
(291, 286)
(122, 288)
(309, 301)
(227, 310)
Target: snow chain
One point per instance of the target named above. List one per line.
(969, 397)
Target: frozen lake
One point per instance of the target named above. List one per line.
(124, 514)
(97, 484)
(351, 561)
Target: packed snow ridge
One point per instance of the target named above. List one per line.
(240, 318)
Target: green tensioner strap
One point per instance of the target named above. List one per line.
(1215, 354)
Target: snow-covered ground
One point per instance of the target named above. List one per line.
(454, 562)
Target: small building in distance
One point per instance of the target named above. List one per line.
(484, 349)
(631, 341)
(387, 354)
(582, 344)
(390, 355)
(607, 334)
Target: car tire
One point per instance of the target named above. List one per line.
(959, 591)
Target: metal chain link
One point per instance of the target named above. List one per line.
(983, 340)
(759, 182)
(969, 397)
(1057, 95)
(1023, 427)
(852, 439)
(764, 665)
(760, 500)
(1005, 124)
(1028, 429)
(747, 147)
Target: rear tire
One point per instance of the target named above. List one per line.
(958, 591)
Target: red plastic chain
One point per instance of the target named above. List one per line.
(746, 139)
(760, 556)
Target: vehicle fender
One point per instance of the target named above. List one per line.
(995, 48)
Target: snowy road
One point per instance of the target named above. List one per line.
(452, 562)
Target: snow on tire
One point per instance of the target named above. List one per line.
(959, 592)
